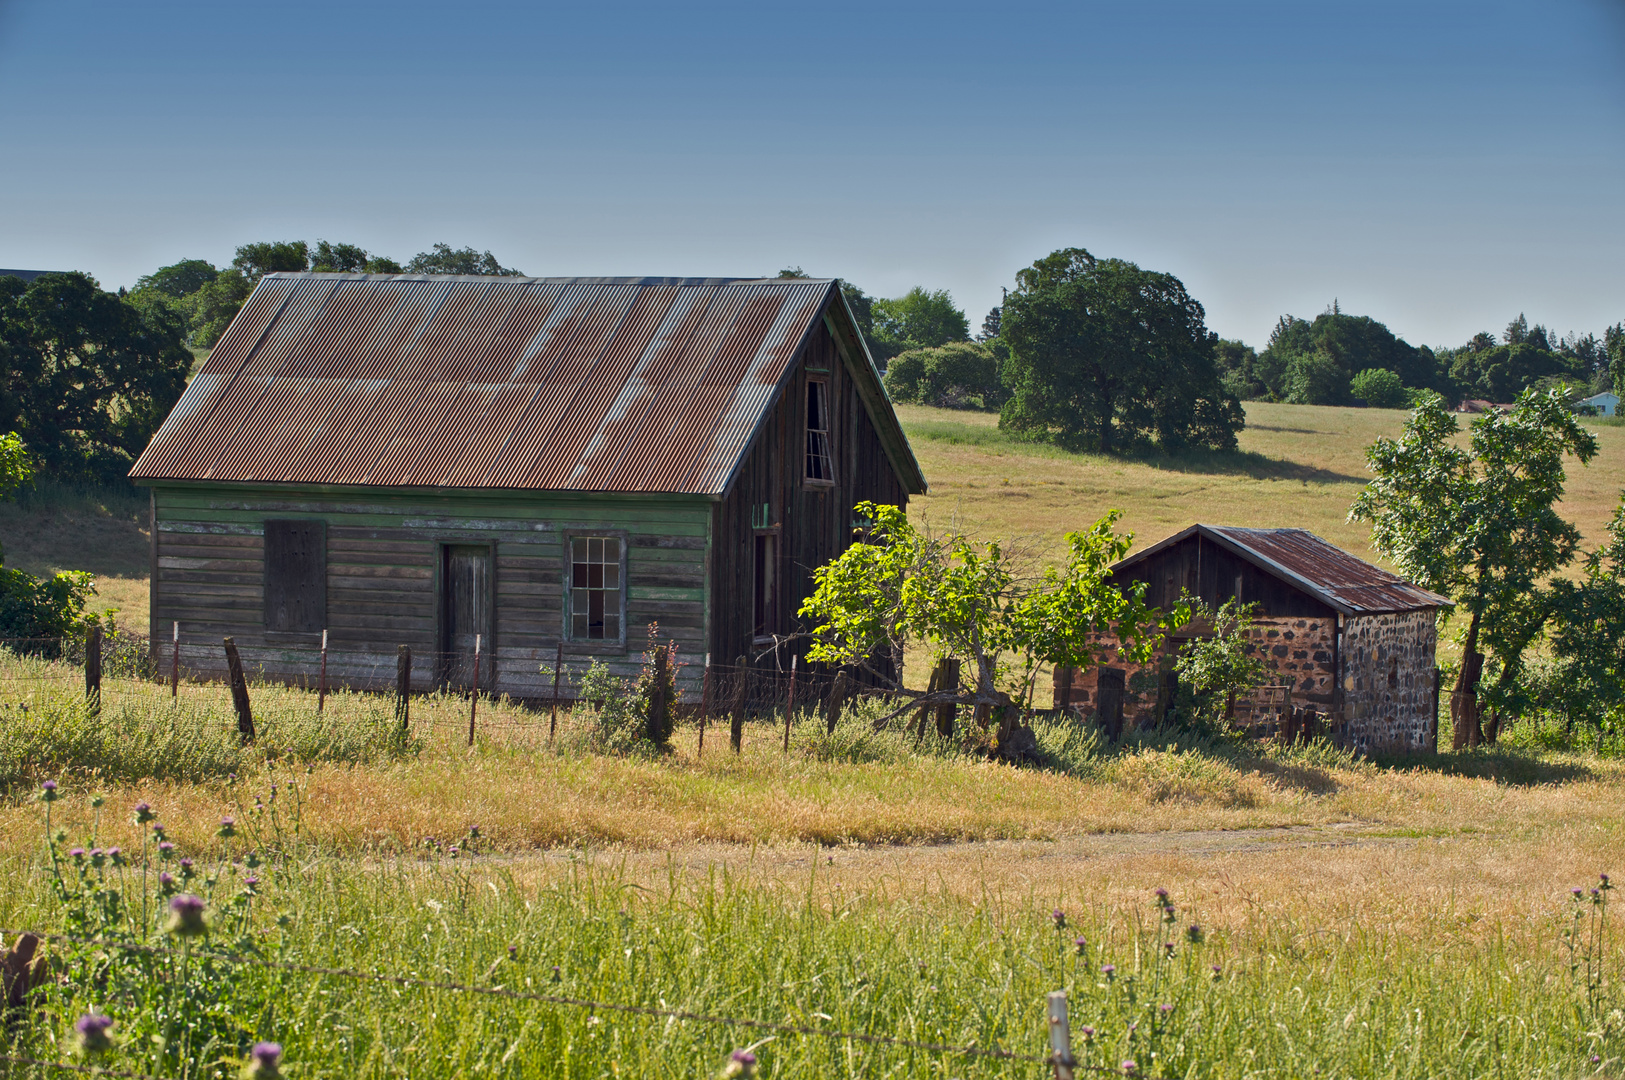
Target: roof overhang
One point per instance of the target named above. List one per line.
(1285, 573)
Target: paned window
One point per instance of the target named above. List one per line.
(295, 577)
(820, 465)
(595, 588)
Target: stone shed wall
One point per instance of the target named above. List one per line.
(1299, 651)
(1388, 682)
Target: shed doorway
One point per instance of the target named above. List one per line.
(465, 611)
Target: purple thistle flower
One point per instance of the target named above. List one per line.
(77, 853)
(1108, 970)
(263, 1060)
(1165, 1009)
(49, 785)
(1129, 1068)
(251, 883)
(1082, 945)
(1604, 880)
(742, 1063)
(186, 916)
(474, 834)
(47, 791)
(1595, 1060)
(1169, 947)
(1595, 893)
(143, 813)
(165, 879)
(1087, 1032)
(1059, 918)
(1193, 934)
(1578, 893)
(1217, 971)
(165, 848)
(513, 953)
(1161, 895)
(92, 1031)
(228, 828)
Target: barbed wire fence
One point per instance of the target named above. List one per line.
(719, 699)
(1060, 1056)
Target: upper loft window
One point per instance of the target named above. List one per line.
(595, 588)
(820, 465)
(295, 576)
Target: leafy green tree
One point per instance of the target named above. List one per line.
(962, 599)
(1588, 632)
(444, 259)
(332, 258)
(1103, 354)
(1223, 667)
(1237, 363)
(86, 376)
(1380, 389)
(1502, 372)
(919, 320)
(211, 309)
(254, 261)
(992, 322)
(1480, 525)
(958, 375)
(1312, 363)
(178, 280)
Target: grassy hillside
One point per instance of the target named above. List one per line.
(1298, 465)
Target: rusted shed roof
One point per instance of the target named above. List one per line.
(653, 385)
(1299, 557)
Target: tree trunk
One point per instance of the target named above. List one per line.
(1464, 698)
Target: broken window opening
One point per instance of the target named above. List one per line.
(596, 597)
(820, 464)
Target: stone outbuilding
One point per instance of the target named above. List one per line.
(1349, 647)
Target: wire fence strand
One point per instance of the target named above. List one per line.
(564, 1000)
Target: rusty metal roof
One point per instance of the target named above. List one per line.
(577, 384)
(1299, 557)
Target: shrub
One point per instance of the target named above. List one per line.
(1380, 389)
(958, 375)
(33, 607)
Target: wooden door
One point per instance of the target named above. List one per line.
(465, 611)
(1110, 700)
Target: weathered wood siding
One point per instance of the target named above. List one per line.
(814, 522)
(382, 566)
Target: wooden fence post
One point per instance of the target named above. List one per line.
(239, 692)
(1060, 1037)
(553, 718)
(474, 698)
(736, 722)
(175, 665)
(837, 698)
(403, 685)
(658, 726)
(321, 680)
(93, 667)
(790, 705)
(705, 705)
(947, 711)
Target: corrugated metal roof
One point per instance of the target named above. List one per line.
(1352, 586)
(579, 384)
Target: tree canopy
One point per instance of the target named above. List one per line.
(1104, 355)
(1480, 525)
(958, 375)
(445, 259)
(919, 319)
(1314, 363)
(86, 376)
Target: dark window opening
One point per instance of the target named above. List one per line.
(595, 588)
(820, 465)
(762, 595)
(295, 577)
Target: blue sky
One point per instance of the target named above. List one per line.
(1439, 166)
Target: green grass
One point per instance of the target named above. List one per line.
(1289, 992)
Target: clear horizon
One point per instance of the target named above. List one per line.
(1440, 167)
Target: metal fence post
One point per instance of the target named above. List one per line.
(736, 722)
(1060, 1037)
(790, 705)
(175, 665)
(321, 680)
(474, 698)
(705, 705)
(553, 717)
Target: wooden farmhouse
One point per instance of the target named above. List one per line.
(415, 460)
(1338, 636)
